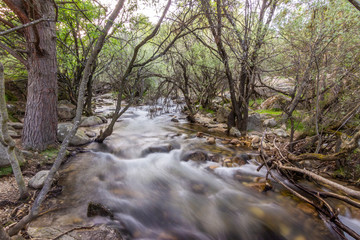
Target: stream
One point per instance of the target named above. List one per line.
(145, 175)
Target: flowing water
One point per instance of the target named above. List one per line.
(138, 174)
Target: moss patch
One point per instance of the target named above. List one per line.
(5, 171)
(269, 112)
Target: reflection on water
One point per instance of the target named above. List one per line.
(155, 195)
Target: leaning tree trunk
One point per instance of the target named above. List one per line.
(7, 142)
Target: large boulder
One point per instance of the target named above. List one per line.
(197, 156)
(222, 114)
(91, 121)
(66, 110)
(275, 102)
(254, 123)
(80, 137)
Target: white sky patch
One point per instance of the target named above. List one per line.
(152, 10)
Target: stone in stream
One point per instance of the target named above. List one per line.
(240, 159)
(97, 209)
(160, 149)
(174, 120)
(211, 140)
(197, 156)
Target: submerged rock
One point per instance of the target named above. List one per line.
(160, 149)
(197, 156)
(97, 209)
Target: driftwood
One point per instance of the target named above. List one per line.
(316, 156)
(317, 199)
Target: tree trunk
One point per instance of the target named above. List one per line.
(40, 123)
(34, 211)
(7, 142)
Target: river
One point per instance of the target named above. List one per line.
(139, 173)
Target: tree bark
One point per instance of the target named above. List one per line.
(7, 141)
(40, 124)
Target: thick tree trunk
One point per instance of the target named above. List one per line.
(40, 123)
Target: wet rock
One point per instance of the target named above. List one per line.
(80, 137)
(174, 120)
(160, 149)
(66, 110)
(222, 114)
(227, 163)
(197, 156)
(234, 132)
(240, 159)
(270, 123)
(199, 134)
(38, 180)
(102, 232)
(235, 141)
(97, 209)
(280, 132)
(262, 185)
(91, 121)
(254, 123)
(16, 125)
(211, 140)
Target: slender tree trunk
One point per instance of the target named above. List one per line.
(7, 141)
(40, 123)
